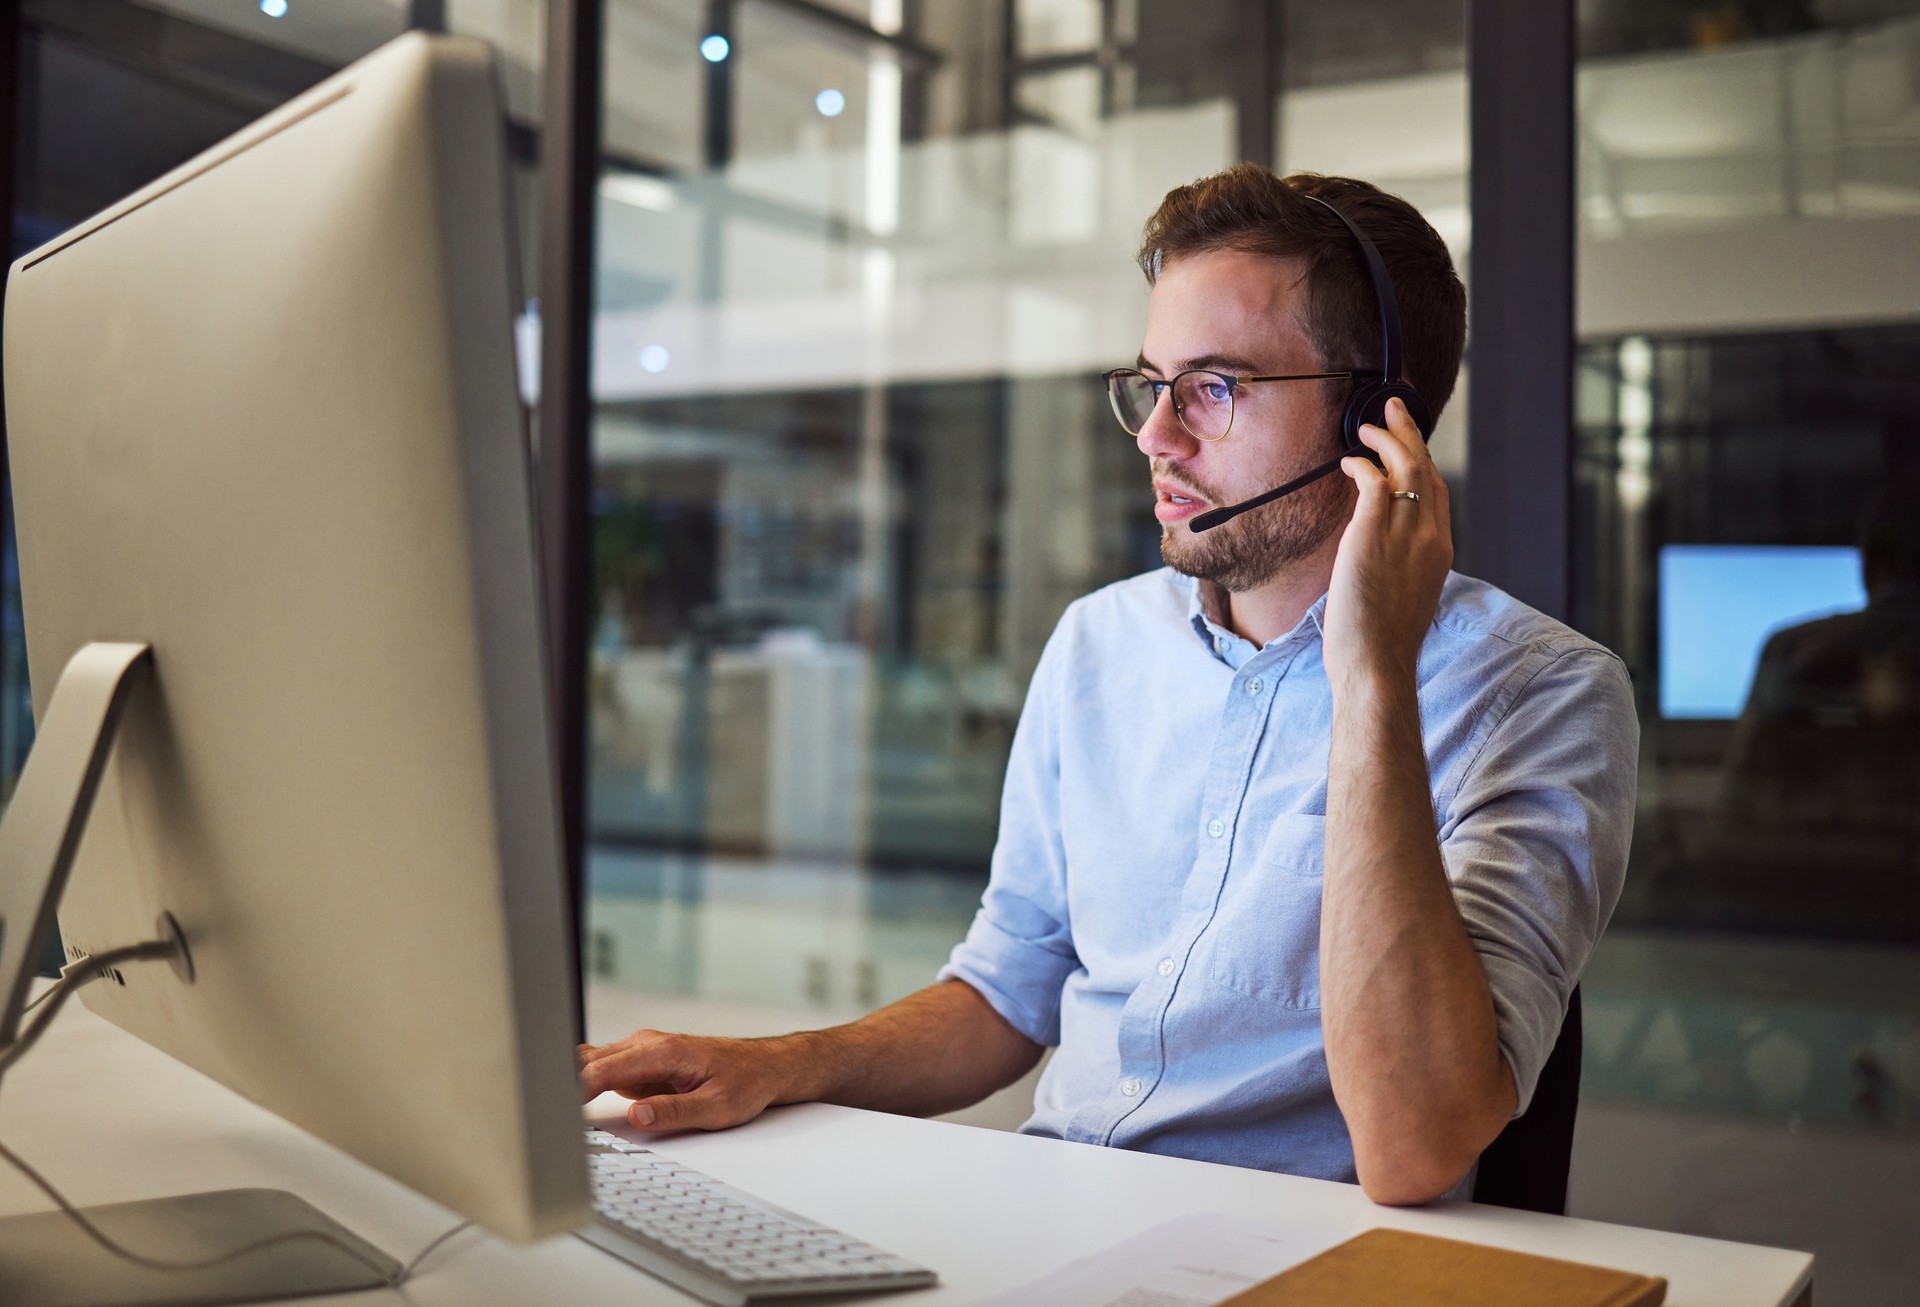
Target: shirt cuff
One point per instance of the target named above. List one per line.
(1528, 1016)
(1021, 980)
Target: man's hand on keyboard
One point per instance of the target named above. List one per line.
(684, 1082)
(936, 1050)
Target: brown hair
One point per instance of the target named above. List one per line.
(1247, 208)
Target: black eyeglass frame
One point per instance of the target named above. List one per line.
(1233, 386)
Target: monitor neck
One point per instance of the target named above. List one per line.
(48, 812)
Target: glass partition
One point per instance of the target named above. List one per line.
(858, 273)
(1745, 537)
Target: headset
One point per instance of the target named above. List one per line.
(1367, 401)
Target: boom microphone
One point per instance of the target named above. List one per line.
(1215, 516)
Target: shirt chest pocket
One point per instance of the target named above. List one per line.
(1265, 936)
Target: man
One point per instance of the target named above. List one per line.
(1305, 840)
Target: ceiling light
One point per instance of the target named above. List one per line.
(713, 49)
(639, 191)
(830, 102)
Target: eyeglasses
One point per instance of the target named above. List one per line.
(1202, 398)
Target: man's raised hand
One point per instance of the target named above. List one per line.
(1393, 558)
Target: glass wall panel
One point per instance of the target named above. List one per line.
(1380, 91)
(1746, 539)
(856, 283)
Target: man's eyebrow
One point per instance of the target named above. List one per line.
(1222, 363)
(1231, 363)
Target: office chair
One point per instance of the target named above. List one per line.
(1526, 1166)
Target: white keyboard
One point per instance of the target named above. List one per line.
(719, 1243)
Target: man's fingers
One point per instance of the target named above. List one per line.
(586, 1054)
(1401, 423)
(1402, 468)
(1408, 462)
(637, 1064)
(1360, 470)
(1401, 426)
(1372, 485)
(624, 1067)
(647, 1089)
(1431, 482)
(706, 1108)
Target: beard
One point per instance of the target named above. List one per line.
(1252, 549)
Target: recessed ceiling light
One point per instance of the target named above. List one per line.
(274, 8)
(654, 358)
(639, 191)
(713, 49)
(830, 102)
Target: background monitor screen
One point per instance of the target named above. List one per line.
(1719, 603)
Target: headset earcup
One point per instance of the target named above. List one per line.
(1367, 406)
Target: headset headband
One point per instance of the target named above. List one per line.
(1382, 293)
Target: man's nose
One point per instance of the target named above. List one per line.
(1162, 435)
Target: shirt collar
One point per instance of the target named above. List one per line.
(1207, 611)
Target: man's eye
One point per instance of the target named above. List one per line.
(1216, 392)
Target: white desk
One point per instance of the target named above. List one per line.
(110, 1119)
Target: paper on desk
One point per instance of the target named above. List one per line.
(1195, 1261)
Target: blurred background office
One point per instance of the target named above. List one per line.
(856, 266)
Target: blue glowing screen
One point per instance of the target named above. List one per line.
(1719, 603)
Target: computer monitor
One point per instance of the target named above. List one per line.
(263, 420)
(1719, 603)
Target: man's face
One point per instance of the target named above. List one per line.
(1238, 313)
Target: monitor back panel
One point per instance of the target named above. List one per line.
(263, 417)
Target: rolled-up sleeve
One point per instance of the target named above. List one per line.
(1536, 843)
(1019, 951)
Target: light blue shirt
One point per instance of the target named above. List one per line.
(1154, 907)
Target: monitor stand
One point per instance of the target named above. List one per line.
(47, 1258)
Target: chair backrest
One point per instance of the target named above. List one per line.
(1526, 1166)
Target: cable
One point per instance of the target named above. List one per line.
(391, 1280)
(81, 972)
(406, 1272)
(120, 1250)
(92, 966)
(57, 992)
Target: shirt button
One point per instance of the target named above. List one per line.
(1166, 966)
(1130, 1087)
(1216, 828)
(1255, 686)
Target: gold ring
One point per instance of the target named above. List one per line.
(1414, 495)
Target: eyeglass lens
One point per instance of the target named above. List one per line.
(1203, 401)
